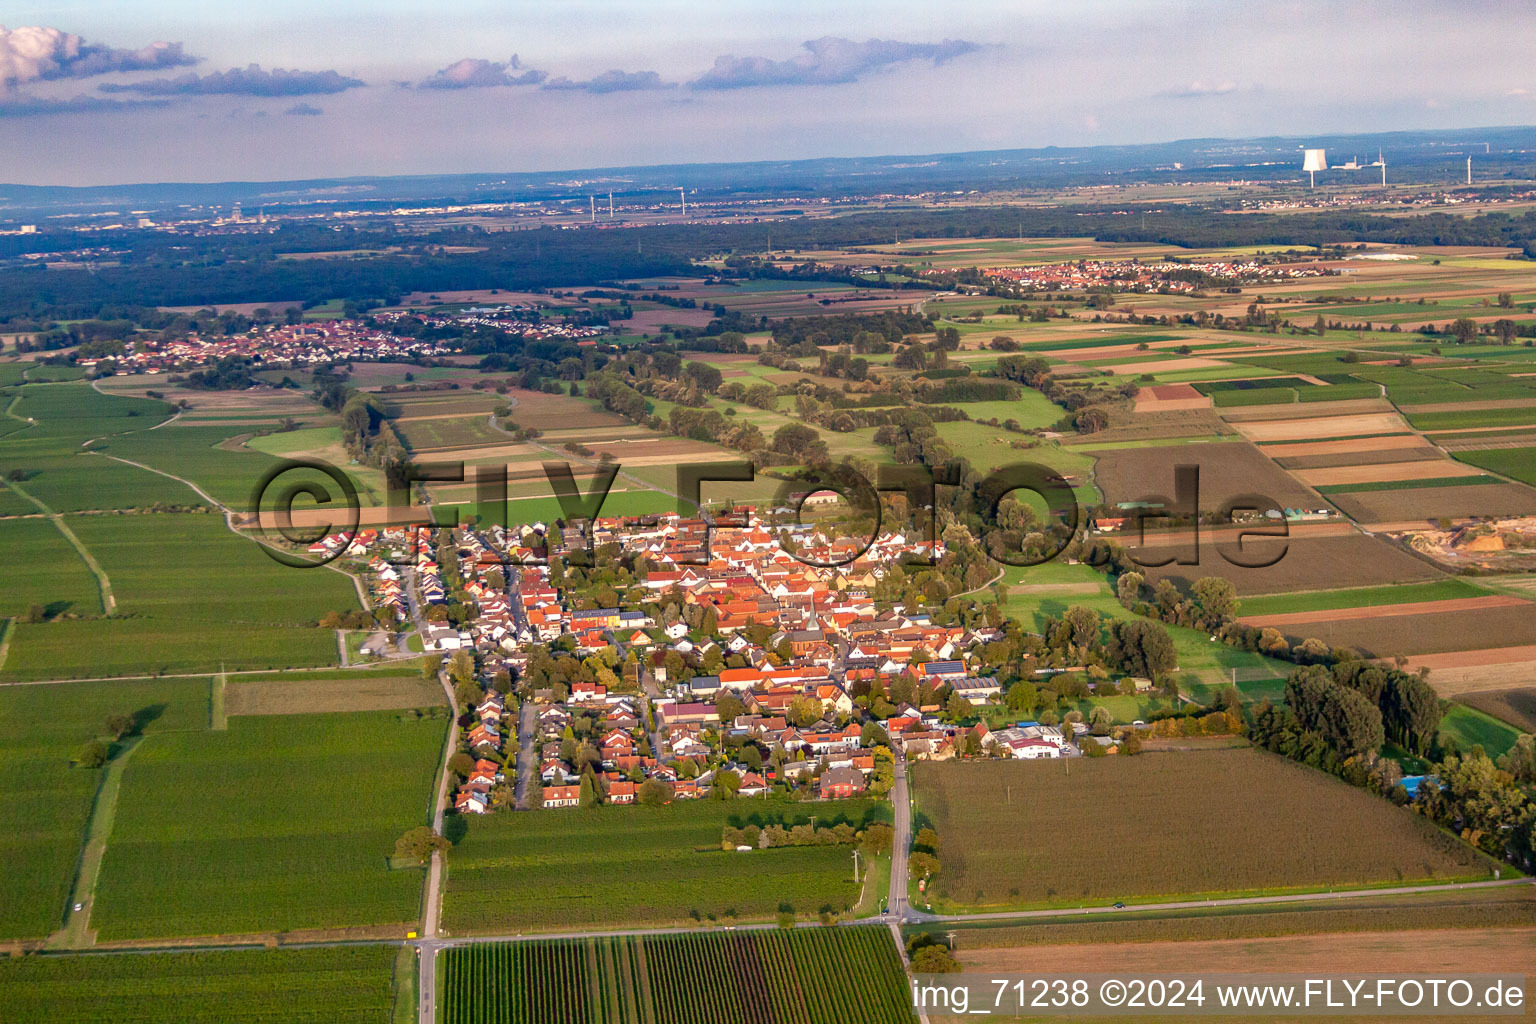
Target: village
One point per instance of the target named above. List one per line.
(748, 670)
(317, 343)
(1164, 276)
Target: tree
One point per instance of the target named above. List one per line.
(419, 844)
(726, 784)
(804, 711)
(120, 725)
(1022, 698)
(878, 837)
(957, 707)
(654, 792)
(934, 960)
(924, 865)
(926, 840)
(729, 707)
(1128, 587)
(92, 755)
(1464, 328)
(1144, 648)
(1217, 597)
(589, 791)
(461, 764)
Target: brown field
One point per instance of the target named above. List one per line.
(1355, 458)
(1306, 411)
(1421, 634)
(243, 308)
(1387, 611)
(1425, 503)
(1453, 673)
(1389, 442)
(647, 320)
(1156, 424)
(1411, 952)
(544, 412)
(1227, 469)
(299, 696)
(1204, 823)
(376, 375)
(1372, 473)
(1517, 705)
(1309, 563)
(1163, 365)
(1319, 426)
(488, 296)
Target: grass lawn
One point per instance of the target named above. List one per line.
(289, 825)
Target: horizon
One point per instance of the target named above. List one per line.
(825, 157)
(162, 91)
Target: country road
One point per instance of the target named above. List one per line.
(919, 917)
(901, 806)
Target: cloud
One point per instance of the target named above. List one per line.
(473, 73)
(613, 81)
(1200, 87)
(828, 61)
(18, 105)
(36, 53)
(249, 81)
(303, 110)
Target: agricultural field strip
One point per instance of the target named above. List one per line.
(1386, 610)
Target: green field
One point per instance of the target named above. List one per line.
(822, 976)
(1408, 485)
(50, 573)
(45, 801)
(1461, 419)
(298, 986)
(279, 823)
(613, 866)
(1359, 597)
(1515, 463)
(1470, 727)
(1212, 818)
(191, 596)
(453, 432)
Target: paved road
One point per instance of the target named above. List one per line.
(897, 909)
(527, 760)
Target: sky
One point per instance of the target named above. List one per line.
(115, 91)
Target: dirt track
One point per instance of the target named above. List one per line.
(1487, 949)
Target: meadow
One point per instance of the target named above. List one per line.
(1515, 706)
(45, 801)
(821, 976)
(280, 823)
(299, 986)
(642, 866)
(1179, 825)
